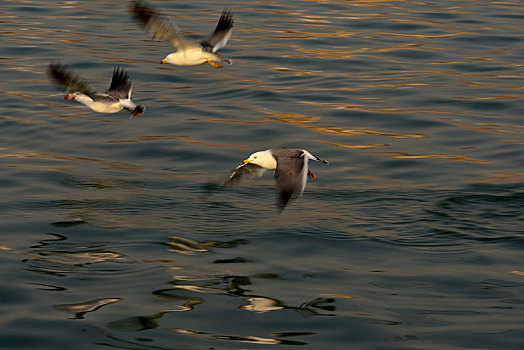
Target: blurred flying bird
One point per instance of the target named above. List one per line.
(118, 95)
(188, 52)
(291, 171)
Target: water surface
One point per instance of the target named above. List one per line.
(411, 238)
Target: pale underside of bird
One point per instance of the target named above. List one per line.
(291, 171)
(117, 97)
(188, 52)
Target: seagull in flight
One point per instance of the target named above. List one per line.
(117, 98)
(291, 171)
(188, 52)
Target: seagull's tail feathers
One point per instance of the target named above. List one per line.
(223, 59)
(317, 159)
(139, 110)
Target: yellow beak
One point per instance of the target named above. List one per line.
(244, 162)
(69, 96)
(163, 61)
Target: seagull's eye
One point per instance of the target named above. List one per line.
(254, 157)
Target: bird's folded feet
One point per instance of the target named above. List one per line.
(214, 64)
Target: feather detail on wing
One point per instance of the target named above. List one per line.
(71, 82)
(219, 38)
(121, 86)
(244, 171)
(290, 176)
(159, 27)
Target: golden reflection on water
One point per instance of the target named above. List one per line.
(309, 122)
(502, 178)
(362, 108)
(342, 145)
(179, 138)
(355, 132)
(19, 120)
(227, 120)
(185, 246)
(493, 127)
(27, 154)
(455, 157)
(344, 296)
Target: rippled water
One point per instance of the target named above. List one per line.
(410, 239)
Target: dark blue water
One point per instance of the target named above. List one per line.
(112, 234)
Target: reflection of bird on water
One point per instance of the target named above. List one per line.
(80, 309)
(118, 96)
(291, 171)
(262, 304)
(188, 53)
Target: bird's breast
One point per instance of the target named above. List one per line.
(104, 107)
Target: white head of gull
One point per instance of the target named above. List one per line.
(291, 171)
(117, 98)
(188, 52)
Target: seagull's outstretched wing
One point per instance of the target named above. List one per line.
(290, 174)
(120, 88)
(219, 38)
(244, 171)
(158, 26)
(71, 82)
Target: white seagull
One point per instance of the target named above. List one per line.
(188, 53)
(291, 171)
(118, 96)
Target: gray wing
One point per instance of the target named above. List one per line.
(290, 175)
(244, 171)
(100, 97)
(71, 82)
(159, 27)
(219, 38)
(120, 88)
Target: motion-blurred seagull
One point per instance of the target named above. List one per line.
(188, 53)
(118, 96)
(291, 171)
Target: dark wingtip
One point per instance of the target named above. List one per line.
(282, 201)
(120, 75)
(142, 11)
(226, 18)
(57, 71)
(53, 66)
